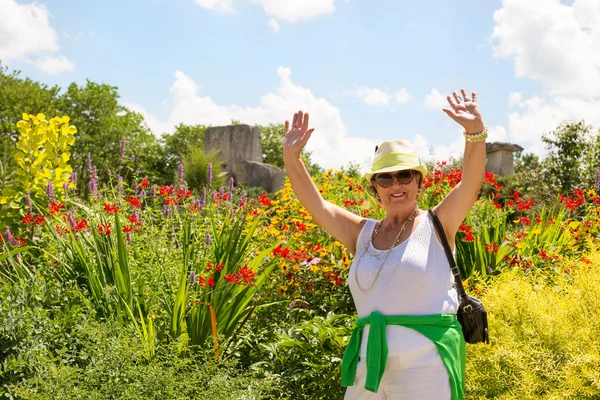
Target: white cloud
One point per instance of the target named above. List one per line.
(220, 6)
(530, 118)
(559, 46)
(402, 96)
(435, 100)
(329, 143)
(54, 65)
(289, 11)
(273, 24)
(293, 11)
(553, 43)
(372, 96)
(25, 31)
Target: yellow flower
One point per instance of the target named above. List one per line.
(314, 268)
(282, 290)
(520, 245)
(591, 194)
(537, 231)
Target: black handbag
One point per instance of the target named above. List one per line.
(471, 313)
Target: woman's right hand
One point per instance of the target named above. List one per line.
(297, 135)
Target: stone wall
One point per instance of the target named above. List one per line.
(240, 149)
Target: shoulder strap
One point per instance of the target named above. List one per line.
(455, 271)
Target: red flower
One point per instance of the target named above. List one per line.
(39, 219)
(211, 281)
(263, 198)
(280, 251)
(538, 219)
(489, 178)
(166, 190)
(543, 255)
(493, 248)
(525, 221)
(111, 209)
(469, 237)
(27, 220)
(134, 201)
(144, 183)
(349, 203)
(104, 229)
(497, 205)
(181, 192)
(248, 275)
(465, 228)
(81, 225)
(54, 208)
(60, 230)
(127, 229)
(235, 279)
(134, 220)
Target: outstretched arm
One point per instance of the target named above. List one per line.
(454, 208)
(339, 222)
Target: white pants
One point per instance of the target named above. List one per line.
(419, 375)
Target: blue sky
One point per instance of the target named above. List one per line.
(366, 70)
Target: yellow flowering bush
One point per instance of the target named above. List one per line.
(42, 156)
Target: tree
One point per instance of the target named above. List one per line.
(180, 143)
(574, 156)
(102, 123)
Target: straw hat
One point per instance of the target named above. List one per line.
(395, 155)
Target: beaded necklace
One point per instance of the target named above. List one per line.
(388, 252)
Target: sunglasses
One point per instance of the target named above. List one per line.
(386, 179)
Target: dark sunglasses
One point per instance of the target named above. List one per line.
(386, 179)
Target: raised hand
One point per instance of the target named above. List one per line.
(465, 111)
(297, 135)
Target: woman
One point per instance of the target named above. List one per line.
(407, 343)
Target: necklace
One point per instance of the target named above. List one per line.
(388, 252)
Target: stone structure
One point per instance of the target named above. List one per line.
(500, 157)
(240, 149)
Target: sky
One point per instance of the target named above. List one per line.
(366, 70)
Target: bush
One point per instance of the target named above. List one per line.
(544, 338)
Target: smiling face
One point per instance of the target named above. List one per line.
(397, 194)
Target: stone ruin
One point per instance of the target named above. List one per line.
(500, 157)
(241, 152)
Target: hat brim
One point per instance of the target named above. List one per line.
(421, 168)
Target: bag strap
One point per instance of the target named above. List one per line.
(455, 271)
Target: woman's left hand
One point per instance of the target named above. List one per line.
(465, 111)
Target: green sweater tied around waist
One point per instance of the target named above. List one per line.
(443, 330)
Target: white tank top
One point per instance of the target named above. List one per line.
(415, 280)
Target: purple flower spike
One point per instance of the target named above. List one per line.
(192, 278)
(203, 198)
(50, 190)
(153, 192)
(180, 171)
(208, 239)
(142, 194)
(210, 172)
(89, 164)
(244, 196)
(231, 181)
(166, 211)
(74, 178)
(122, 151)
(132, 158)
(9, 236)
(28, 199)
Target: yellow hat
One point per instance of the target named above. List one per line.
(395, 155)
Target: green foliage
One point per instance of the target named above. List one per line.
(102, 122)
(305, 359)
(195, 169)
(544, 338)
(186, 139)
(574, 156)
